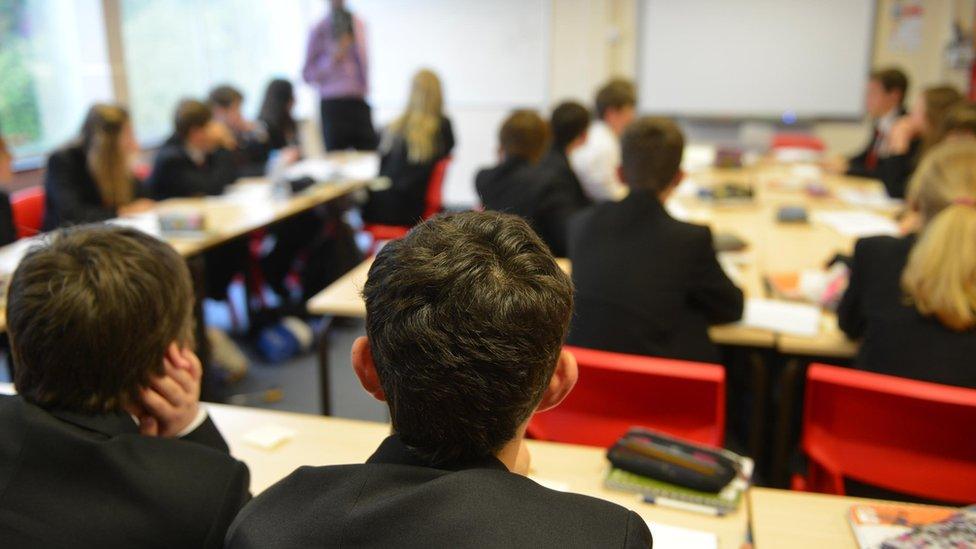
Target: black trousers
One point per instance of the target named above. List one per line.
(347, 123)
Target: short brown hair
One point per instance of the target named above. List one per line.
(466, 318)
(90, 313)
(892, 79)
(225, 96)
(615, 94)
(569, 120)
(191, 114)
(525, 135)
(651, 149)
(959, 119)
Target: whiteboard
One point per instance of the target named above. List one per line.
(755, 58)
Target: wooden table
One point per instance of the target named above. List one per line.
(332, 441)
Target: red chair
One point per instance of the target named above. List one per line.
(908, 436)
(28, 211)
(617, 391)
(798, 141)
(434, 203)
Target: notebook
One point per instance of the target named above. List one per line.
(890, 526)
(782, 317)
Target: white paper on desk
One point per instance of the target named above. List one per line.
(673, 537)
(269, 437)
(873, 198)
(784, 317)
(857, 223)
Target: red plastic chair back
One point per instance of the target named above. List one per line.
(617, 391)
(28, 210)
(798, 141)
(435, 188)
(908, 436)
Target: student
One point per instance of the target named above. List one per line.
(884, 102)
(518, 185)
(251, 152)
(646, 283)
(913, 299)
(959, 123)
(598, 160)
(8, 233)
(569, 122)
(276, 115)
(197, 160)
(91, 178)
(410, 148)
(106, 444)
(912, 134)
(490, 306)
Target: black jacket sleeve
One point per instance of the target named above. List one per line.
(713, 292)
(208, 435)
(638, 534)
(447, 136)
(63, 181)
(850, 314)
(894, 171)
(236, 495)
(175, 176)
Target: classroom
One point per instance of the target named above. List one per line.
(518, 273)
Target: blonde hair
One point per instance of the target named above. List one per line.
(420, 123)
(940, 276)
(101, 137)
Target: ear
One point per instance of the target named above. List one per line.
(365, 368)
(561, 383)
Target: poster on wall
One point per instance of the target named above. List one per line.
(907, 18)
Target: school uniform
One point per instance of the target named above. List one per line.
(92, 481)
(404, 202)
(518, 187)
(647, 283)
(8, 232)
(398, 500)
(72, 196)
(876, 162)
(180, 173)
(896, 339)
(559, 168)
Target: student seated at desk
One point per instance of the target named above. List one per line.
(569, 122)
(518, 185)
(8, 233)
(410, 148)
(91, 178)
(647, 283)
(106, 444)
(465, 321)
(251, 140)
(197, 160)
(597, 162)
(913, 299)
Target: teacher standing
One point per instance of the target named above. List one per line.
(336, 65)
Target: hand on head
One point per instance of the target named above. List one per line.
(171, 401)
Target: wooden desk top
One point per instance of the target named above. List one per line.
(802, 520)
(331, 441)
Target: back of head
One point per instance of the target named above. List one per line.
(279, 97)
(101, 138)
(190, 115)
(524, 135)
(569, 120)
(466, 317)
(939, 100)
(651, 149)
(892, 79)
(959, 121)
(615, 94)
(420, 123)
(225, 96)
(940, 275)
(90, 313)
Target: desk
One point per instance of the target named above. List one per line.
(801, 520)
(332, 441)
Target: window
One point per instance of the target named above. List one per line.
(54, 65)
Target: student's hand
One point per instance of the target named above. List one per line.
(221, 136)
(523, 461)
(910, 222)
(172, 401)
(835, 164)
(139, 206)
(902, 134)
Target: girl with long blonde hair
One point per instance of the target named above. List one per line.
(410, 148)
(91, 179)
(913, 299)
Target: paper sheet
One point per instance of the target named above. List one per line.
(269, 437)
(673, 537)
(782, 316)
(857, 223)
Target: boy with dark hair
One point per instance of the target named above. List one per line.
(465, 320)
(598, 160)
(197, 160)
(645, 282)
(252, 148)
(569, 122)
(100, 325)
(520, 186)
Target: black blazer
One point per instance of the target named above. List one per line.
(647, 283)
(897, 339)
(404, 202)
(893, 171)
(175, 174)
(394, 500)
(8, 233)
(517, 187)
(565, 178)
(71, 480)
(72, 196)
